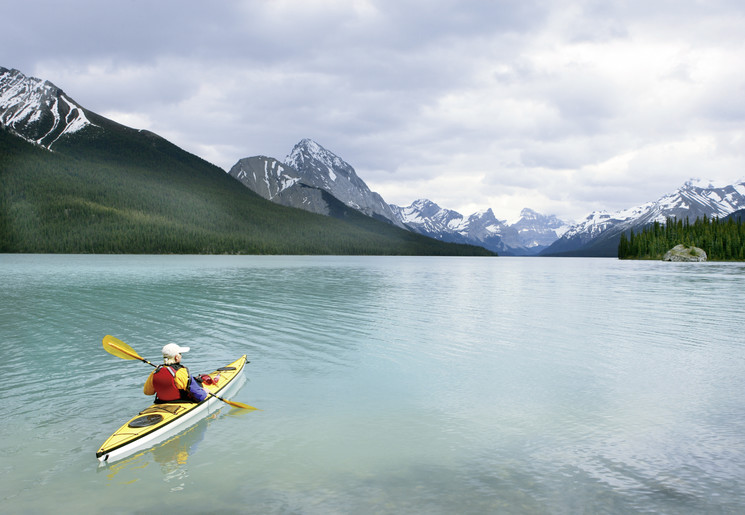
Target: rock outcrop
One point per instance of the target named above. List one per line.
(683, 253)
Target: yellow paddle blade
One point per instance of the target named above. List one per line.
(239, 405)
(119, 349)
(233, 403)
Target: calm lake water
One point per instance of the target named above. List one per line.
(386, 385)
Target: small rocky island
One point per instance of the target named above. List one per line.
(683, 253)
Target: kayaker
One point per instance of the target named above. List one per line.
(171, 381)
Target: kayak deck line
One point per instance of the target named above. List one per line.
(170, 408)
(162, 420)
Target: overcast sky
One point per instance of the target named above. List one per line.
(565, 107)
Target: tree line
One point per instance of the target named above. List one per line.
(168, 202)
(722, 240)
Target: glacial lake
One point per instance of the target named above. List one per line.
(386, 384)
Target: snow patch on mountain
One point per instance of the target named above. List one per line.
(37, 110)
(531, 233)
(321, 168)
(695, 199)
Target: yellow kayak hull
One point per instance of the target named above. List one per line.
(161, 421)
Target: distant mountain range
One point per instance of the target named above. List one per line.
(532, 233)
(599, 233)
(310, 170)
(72, 181)
(314, 179)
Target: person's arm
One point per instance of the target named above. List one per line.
(149, 389)
(182, 378)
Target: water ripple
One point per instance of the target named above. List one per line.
(430, 384)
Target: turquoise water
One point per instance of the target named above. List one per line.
(386, 385)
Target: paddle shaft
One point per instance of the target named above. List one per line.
(235, 404)
(135, 356)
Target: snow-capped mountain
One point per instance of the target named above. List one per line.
(317, 180)
(537, 231)
(265, 176)
(306, 172)
(599, 233)
(528, 236)
(37, 110)
(268, 176)
(310, 173)
(325, 170)
(282, 184)
(695, 199)
(426, 217)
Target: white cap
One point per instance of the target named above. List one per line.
(170, 350)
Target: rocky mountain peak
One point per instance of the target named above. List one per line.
(528, 214)
(37, 110)
(308, 155)
(311, 167)
(485, 221)
(487, 213)
(425, 208)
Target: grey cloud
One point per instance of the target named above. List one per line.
(564, 99)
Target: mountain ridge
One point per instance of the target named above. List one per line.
(530, 234)
(310, 167)
(599, 233)
(108, 188)
(18, 97)
(316, 180)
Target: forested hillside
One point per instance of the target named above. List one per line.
(126, 191)
(721, 240)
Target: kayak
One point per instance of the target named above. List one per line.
(163, 420)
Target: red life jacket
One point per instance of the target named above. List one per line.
(165, 384)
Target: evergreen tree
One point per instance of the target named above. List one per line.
(722, 241)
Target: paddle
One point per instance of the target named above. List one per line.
(120, 349)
